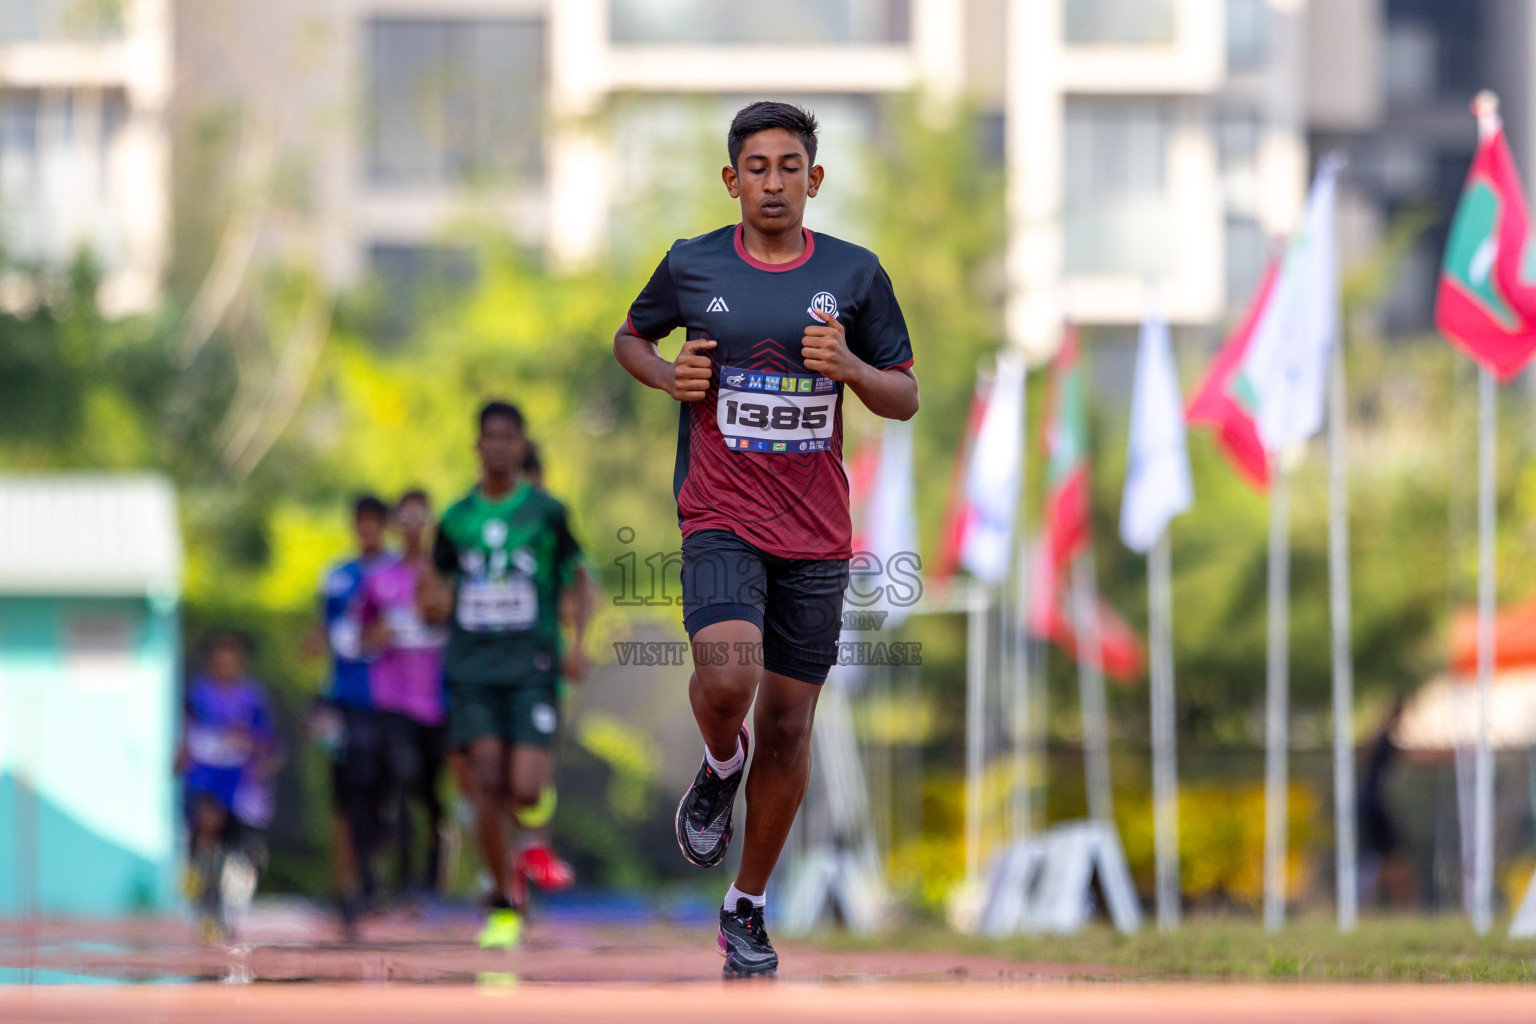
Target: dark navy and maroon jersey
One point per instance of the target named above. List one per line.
(762, 454)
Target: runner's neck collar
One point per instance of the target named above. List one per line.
(775, 268)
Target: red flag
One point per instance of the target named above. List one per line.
(1223, 402)
(1486, 300)
(957, 508)
(1050, 618)
(1066, 450)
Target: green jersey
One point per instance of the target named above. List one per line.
(509, 560)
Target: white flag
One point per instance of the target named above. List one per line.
(992, 479)
(890, 527)
(1157, 484)
(1286, 367)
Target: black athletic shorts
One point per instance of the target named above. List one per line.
(796, 602)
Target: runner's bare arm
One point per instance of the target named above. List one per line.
(574, 663)
(434, 598)
(888, 393)
(686, 378)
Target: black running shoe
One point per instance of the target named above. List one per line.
(704, 815)
(743, 941)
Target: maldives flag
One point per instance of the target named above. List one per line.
(1227, 400)
(1486, 301)
(1066, 451)
(1121, 652)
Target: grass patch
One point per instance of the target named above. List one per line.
(1425, 949)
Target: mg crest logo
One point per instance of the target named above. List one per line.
(823, 302)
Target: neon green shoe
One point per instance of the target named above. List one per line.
(503, 929)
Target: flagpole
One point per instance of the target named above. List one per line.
(1165, 785)
(975, 725)
(1277, 699)
(1343, 664)
(1487, 525)
(1022, 798)
(1013, 627)
(1090, 684)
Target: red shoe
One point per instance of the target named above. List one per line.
(544, 868)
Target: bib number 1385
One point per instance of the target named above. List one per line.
(777, 417)
(775, 413)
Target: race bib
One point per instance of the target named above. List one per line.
(406, 630)
(498, 605)
(217, 748)
(779, 413)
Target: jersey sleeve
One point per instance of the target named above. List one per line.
(655, 313)
(879, 332)
(568, 555)
(445, 557)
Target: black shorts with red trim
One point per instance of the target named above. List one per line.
(797, 603)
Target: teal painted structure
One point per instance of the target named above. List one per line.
(89, 685)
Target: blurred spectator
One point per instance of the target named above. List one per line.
(228, 756)
(1381, 853)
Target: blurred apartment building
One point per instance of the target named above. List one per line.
(1164, 141)
(84, 158)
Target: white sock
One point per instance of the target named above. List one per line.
(733, 894)
(730, 766)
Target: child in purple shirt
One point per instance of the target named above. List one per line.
(406, 678)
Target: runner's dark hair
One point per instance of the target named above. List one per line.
(768, 114)
(496, 408)
(369, 505)
(225, 636)
(531, 462)
(414, 494)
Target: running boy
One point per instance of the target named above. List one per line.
(228, 755)
(780, 321)
(507, 554)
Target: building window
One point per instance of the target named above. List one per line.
(1118, 22)
(410, 277)
(1248, 29)
(23, 21)
(786, 22)
(454, 102)
(1247, 251)
(1118, 218)
(1238, 136)
(55, 192)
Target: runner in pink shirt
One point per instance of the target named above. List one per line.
(407, 686)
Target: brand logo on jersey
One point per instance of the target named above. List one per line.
(494, 533)
(781, 446)
(824, 385)
(823, 302)
(771, 383)
(755, 381)
(717, 305)
(735, 379)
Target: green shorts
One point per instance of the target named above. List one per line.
(524, 714)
